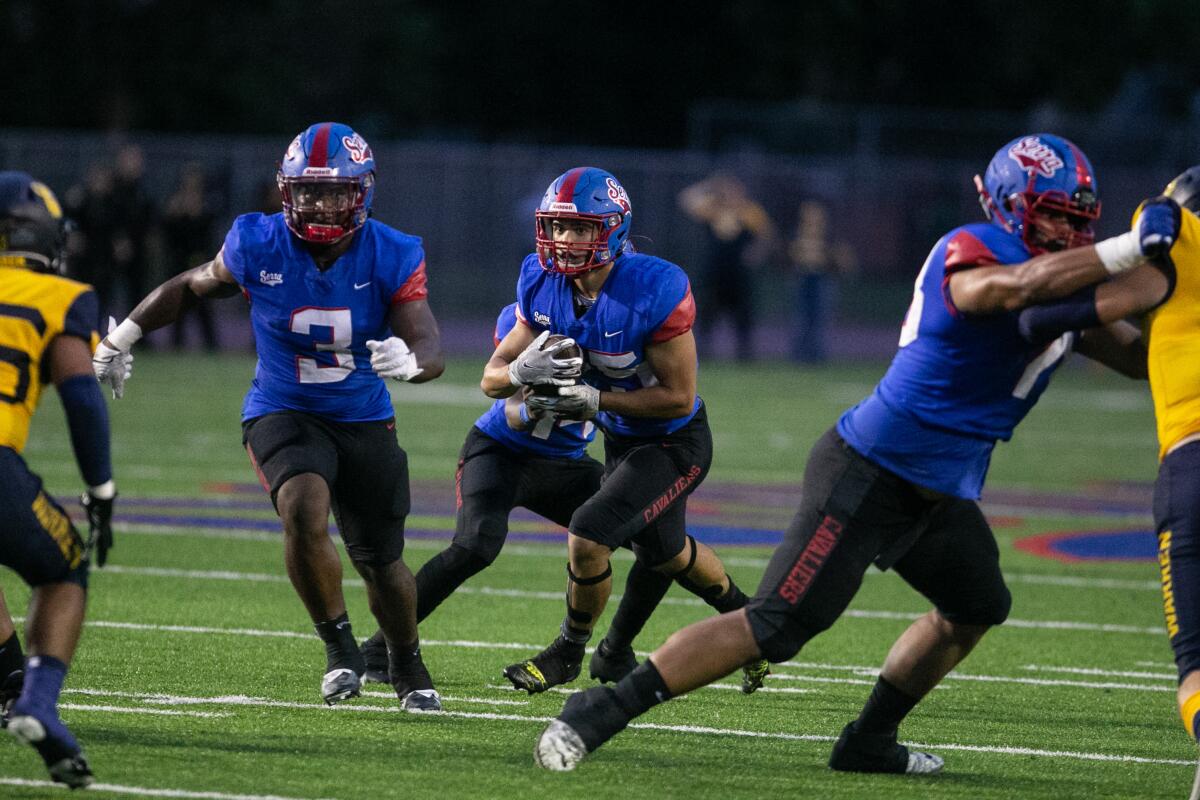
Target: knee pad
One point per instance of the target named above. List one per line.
(777, 642)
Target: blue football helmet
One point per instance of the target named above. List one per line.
(327, 181)
(589, 195)
(1185, 189)
(32, 227)
(1033, 178)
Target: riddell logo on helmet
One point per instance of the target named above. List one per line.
(556, 206)
(358, 148)
(616, 193)
(1034, 156)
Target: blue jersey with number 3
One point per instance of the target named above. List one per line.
(566, 439)
(311, 326)
(644, 300)
(959, 382)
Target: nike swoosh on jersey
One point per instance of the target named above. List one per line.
(362, 285)
(614, 333)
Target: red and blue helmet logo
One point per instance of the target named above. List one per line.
(1040, 174)
(586, 194)
(327, 180)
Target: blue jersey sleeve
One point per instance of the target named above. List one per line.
(403, 277)
(505, 322)
(531, 277)
(672, 305)
(235, 251)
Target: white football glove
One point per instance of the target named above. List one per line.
(573, 402)
(112, 365)
(391, 358)
(535, 366)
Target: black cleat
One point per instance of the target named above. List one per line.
(559, 663)
(754, 674)
(45, 732)
(10, 690)
(879, 752)
(589, 719)
(375, 653)
(609, 665)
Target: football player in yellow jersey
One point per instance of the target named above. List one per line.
(47, 334)
(1167, 293)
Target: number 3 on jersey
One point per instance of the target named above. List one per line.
(337, 343)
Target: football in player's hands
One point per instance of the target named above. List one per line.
(571, 351)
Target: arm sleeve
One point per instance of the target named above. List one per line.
(1046, 322)
(87, 418)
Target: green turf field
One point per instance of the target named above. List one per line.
(198, 672)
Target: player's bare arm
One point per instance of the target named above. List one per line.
(674, 365)
(992, 289)
(1118, 346)
(414, 323)
(165, 304)
(496, 381)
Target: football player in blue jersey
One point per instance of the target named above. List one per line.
(505, 462)
(337, 303)
(632, 315)
(47, 334)
(895, 482)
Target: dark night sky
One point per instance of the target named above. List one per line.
(542, 71)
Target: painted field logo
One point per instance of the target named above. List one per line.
(1034, 156)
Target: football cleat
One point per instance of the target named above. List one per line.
(609, 665)
(340, 684)
(375, 653)
(588, 719)
(754, 674)
(559, 748)
(879, 752)
(10, 690)
(46, 733)
(421, 701)
(559, 663)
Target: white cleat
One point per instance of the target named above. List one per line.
(340, 684)
(559, 748)
(924, 763)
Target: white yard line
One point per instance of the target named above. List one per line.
(242, 700)
(144, 791)
(154, 711)
(1111, 673)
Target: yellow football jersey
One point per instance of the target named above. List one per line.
(35, 307)
(1173, 338)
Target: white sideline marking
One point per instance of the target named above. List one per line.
(1112, 673)
(157, 711)
(143, 791)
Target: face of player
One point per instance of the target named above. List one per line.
(1051, 231)
(323, 203)
(566, 232)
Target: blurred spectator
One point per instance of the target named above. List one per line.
(818, 262)
(90, 205)
(739, 236)
(267, 198)
(133, 220)
(188, 220)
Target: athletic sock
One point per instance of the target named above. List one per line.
(642, 689)
(885, 709)
(44, 676)
(1190, 711)
(340, 648)
(573, 635)
(733, 599)
(441, 575)
(644, 590)
(12, 658)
